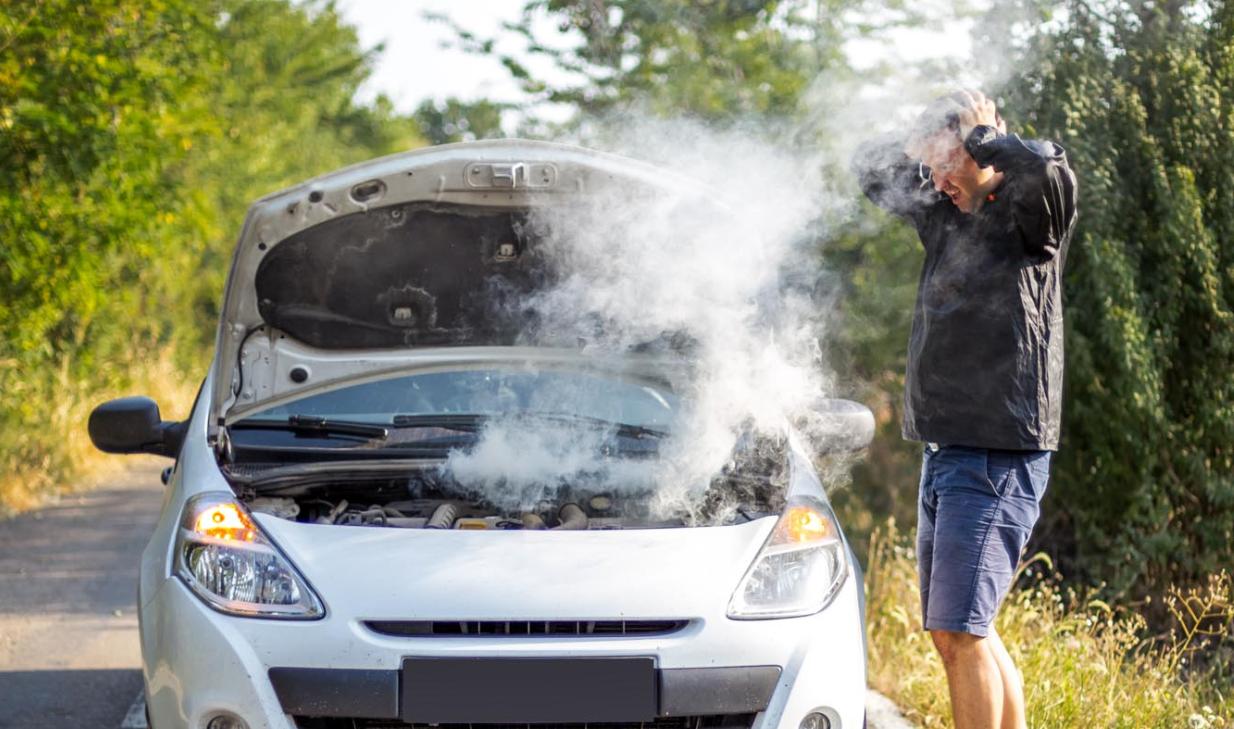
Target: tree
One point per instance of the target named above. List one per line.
(1141, 96)
(134, 134)
(91, 99)
(715, 60)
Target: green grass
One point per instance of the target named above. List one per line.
(1085, 663)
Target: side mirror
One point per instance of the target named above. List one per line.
(837, 426)
(133, 425)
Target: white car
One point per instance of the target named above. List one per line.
(316, 566)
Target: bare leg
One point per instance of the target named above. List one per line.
(1013, 684)
(974, 678)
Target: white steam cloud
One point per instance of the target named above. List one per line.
(730, 260)
(746, 286)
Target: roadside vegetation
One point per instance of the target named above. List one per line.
(1084, 662)
(132, 137)
(134, 133)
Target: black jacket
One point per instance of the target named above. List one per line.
(985, 358)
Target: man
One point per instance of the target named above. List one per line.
(983, 389)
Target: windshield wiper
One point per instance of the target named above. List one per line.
(628, 430)
(472, 423)
(318, 425)
(315, 424)
(449, 421)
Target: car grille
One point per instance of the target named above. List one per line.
(420, 628)
(718, 721)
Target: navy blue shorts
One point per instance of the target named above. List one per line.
(976, 510)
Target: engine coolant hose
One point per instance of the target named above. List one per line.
(571, 517)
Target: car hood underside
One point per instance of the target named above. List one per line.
(428, 249)
(415, 274)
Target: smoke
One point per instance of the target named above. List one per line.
(517, 464)
(722, 264)
(729, 264)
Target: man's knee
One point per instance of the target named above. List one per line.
(954, 646)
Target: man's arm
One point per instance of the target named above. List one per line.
(1040, 182)
(891, 180)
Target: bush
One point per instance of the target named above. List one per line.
(1143, 495)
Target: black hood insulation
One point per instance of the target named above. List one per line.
(415, 274)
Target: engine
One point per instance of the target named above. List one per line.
(752, 485)
(580, 511)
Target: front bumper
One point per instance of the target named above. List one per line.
(765, 674)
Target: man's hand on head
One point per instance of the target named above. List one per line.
(975, 109)
(949, 120)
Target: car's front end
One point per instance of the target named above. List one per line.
(689, 626)
(338, 549)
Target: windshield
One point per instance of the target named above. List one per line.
(491, 392)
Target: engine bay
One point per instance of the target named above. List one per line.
(426, 497)
(577, 512)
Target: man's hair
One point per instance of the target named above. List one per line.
(939, 116)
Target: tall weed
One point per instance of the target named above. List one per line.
(45, 450)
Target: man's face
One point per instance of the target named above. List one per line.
(953, 172)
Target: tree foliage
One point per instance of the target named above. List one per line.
(1141, 95)
(134, 133)
(717, 60)
(93, 102)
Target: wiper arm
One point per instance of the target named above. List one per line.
(315, 424)
(624, 429)
(450, 421)
(473, 422)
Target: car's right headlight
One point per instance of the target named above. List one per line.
(800, 568)
(224, 558)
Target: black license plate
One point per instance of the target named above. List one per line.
(528, 690)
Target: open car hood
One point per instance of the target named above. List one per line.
(402, 259)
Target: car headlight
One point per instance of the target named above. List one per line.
(225, 559)
(800, 568)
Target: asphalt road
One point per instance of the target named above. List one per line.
(69, 655)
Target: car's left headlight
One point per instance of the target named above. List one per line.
(225, 559)
(800, 568)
